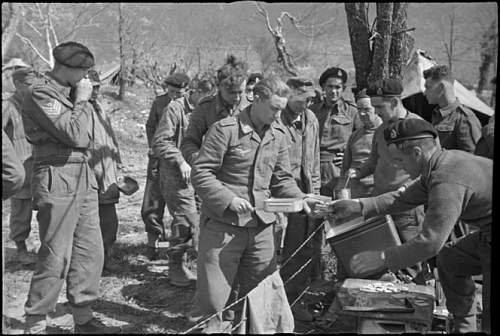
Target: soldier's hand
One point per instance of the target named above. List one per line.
(310, 203)
(83, 90)
(240, 205)
(352, 173)
(344, 208)
(185, 169)
(366, 261)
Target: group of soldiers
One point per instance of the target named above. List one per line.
(217, 151)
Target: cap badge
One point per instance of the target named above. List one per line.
(340, 73)
(394, 134)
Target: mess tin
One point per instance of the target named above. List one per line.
(127, 185)
(283, 205)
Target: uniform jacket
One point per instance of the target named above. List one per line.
(171, 130)
(12, 169)
(336, 124)
(457, 126)
(486, 144)
(235, 162)
(310, 148)
(454, 185)
(12, 124)
(103, 154)
(209, 110)
(387, 176)
(157, 108)
(57, 128)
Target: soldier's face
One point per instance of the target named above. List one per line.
(384, 108)
(75, 75)
(408, 160)
(268, 110)
(175, 92)
(333, 88)
(432, 91)
(367, 116)
(298, 104)
(232, 93)
(249, 92)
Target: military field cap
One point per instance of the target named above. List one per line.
(94, 78)
(24, 75)
(178, 80)
(73, 55)
(333, 72)
(15, 63)
(387, 87)
(302, 88)
(408, 129)
(254, 78)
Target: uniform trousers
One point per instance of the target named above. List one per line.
(20, 219)
(227, 251)
(71, 250)
(180, 200)
(457, 262)
(153, 205)
(108, 221)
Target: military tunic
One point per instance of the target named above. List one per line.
(12, 169)
(209, 110)
(20, 203)
(454, 185)
(65, 195)
(457, 126)
(336, 123)
(235, 161)
(178, 195)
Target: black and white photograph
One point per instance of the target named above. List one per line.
(248, 167)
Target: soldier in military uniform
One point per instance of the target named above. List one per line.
(453, 184)
(175, 181)
(243, 160)
(457, 126)
(64, 192)
(337, 119)
(253, 79)
(153, 204)
(231, 78)
(385, 95)
(20, 203)
(301, 130)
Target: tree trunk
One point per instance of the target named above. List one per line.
(488, 50)
(401, 43)
(121, 23)
(382, 42)
(10, 29)
(359, 33)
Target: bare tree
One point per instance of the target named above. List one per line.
(311, 30)
(382, 50)
(449, 47)
(10, 26)
(489, 52)
(121, 41)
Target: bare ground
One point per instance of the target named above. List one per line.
(138, 297)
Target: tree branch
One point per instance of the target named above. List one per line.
(35, 49)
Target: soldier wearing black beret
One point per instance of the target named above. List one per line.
(455, 186)
(71, 248)
(385, 96)
(337, 119)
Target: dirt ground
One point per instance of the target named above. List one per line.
(138, 297)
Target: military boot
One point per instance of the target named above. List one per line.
(178, 272)
(23, 256)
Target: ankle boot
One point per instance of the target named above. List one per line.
(178, 272)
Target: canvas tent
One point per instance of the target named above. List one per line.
(413, 84)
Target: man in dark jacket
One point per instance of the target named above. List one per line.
(454, 185)
(301, 129)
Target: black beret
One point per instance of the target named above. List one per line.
(178, 80)
(408, 129)
(388, 87)
(333, 72)
(254, 78)
(73, 55)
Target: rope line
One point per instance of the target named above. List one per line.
(244, 297)
(300, 296)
